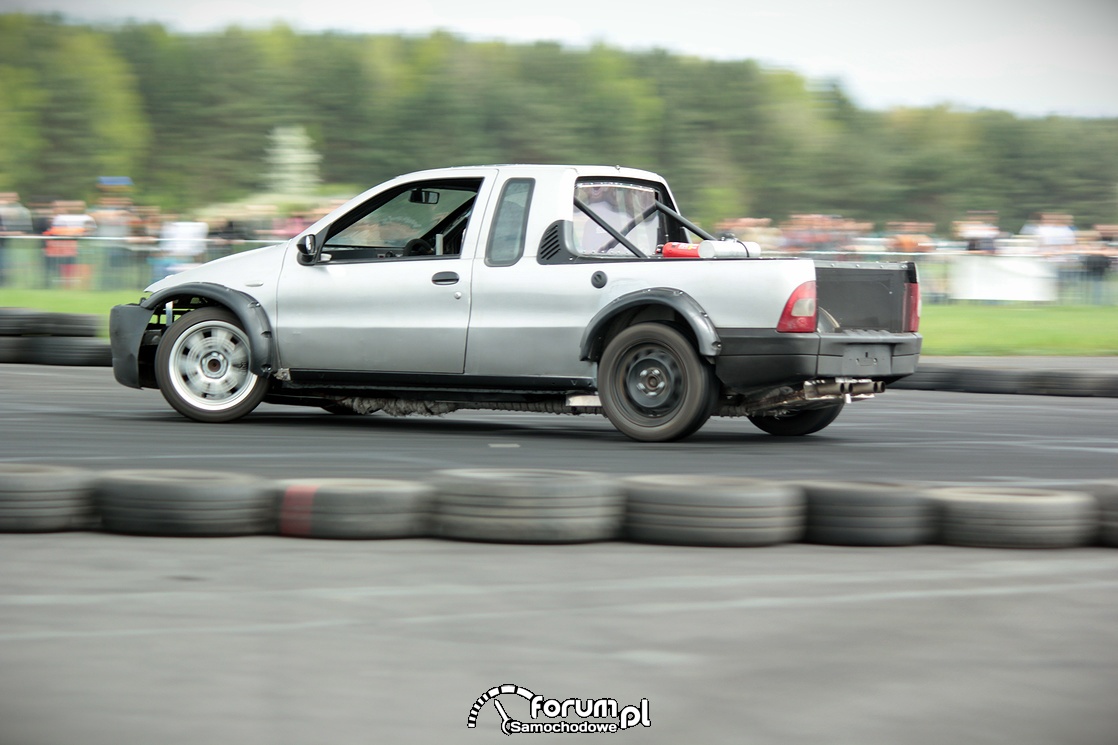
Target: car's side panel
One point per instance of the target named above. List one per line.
(396, 315)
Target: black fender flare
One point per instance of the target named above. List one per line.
(247, 309)
(127, 324)
(708, 342)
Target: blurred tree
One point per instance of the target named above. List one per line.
(72, 102)
(190, 117)
(292, 163)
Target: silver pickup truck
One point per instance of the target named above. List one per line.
(565, 289)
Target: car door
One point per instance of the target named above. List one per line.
(392, 289)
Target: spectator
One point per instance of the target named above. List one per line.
(1096, 267)
(61, 250)
(15, 219)
(114, 218)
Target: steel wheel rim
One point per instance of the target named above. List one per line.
(209, 366)
(652, 381)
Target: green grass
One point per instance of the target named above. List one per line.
(1019, 329)
(69, 301)
(948, 329)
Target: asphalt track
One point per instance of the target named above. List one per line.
(117, 639)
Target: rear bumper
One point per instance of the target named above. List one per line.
(759, 357)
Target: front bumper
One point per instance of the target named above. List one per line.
(127, 324)
(752, 358)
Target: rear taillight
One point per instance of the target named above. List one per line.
(911, 307)
(799, 314)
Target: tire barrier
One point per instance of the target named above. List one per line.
(712, 511)
(1010, 517)
(184, 503)
(555, 506)
(35, 337)
(1004, 380)
(1106, 495)
(38, 499)
(353, 508)
(526, 506)
(867, 514)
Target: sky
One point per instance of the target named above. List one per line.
(1032, 57)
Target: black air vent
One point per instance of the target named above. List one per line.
(550, 245)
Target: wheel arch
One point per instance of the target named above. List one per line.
(653, 304)
(246, 308)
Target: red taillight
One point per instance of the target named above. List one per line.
(912, 307)
(799, 314)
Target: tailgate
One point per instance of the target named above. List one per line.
(864, 295)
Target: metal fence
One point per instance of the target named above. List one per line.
(93, 263)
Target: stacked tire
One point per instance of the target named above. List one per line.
(711, 511)
(526, 506)
(1106, 494)
(15, 325)
(184, 503)
(36, 499)
(867, 514)
(42, 338)
(1012, 517)
(353, 508)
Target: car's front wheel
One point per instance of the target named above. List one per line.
(653, 385)
(203, 367)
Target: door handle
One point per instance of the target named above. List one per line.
(445, 278)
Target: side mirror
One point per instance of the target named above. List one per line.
(308, 249)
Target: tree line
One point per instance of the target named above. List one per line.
(188, 118)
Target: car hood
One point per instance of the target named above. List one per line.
(248, 271)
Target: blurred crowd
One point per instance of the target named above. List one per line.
(114, 242)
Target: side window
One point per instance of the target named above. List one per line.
(630, 209)
(414, 221)
(510, 223)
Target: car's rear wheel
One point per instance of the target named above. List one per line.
(203, 367)
(796, 423)
(653, 385)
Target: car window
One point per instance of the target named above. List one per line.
(510, 223)
(422, 220)
(627, 208)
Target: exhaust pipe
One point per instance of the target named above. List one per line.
(842, 387)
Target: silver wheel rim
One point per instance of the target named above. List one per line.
(209, 366)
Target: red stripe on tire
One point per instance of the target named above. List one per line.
(296, 509)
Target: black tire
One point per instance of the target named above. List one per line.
(653, 385)
(19, 321)
(1085, 384)
(184, 503)
(711, 511)
(203, 367)
(66, 324)
(354, 508)
(798, 423)
(992, 380)
(1010, 517)
(1106, 495)
(526, 506)
(15, 350)
(931, 378)
(36, 498)
(69, 350)
(867, 514)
